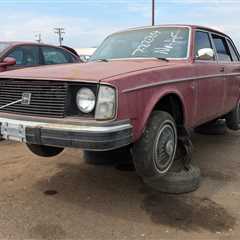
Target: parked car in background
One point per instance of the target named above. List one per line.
(32, 55)
(85, 53)
(72, 50)
(142, 90)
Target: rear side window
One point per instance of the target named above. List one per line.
(233, 52)
(222, 48)
(55, 56)
(202, 41)
(25, 55)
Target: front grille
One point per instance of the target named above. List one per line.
(48, 98)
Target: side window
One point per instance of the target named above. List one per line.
(25, 55)
(18, 55)
(233, 52)
(202, 41)
(222, 48)
(55, 56)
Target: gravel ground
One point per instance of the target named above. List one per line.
(64, 198)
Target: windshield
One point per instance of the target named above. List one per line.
(161, 42)
(3, 46)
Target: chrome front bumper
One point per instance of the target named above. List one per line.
(90, 137)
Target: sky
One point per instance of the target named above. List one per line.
(88, 22)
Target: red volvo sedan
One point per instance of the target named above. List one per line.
(140, 93)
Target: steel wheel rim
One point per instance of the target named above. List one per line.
(165, 147)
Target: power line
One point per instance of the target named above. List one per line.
(59, 32)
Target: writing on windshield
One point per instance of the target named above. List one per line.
(161, 42)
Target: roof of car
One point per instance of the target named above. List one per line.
(15, 43)
(176, 25)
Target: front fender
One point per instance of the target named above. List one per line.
(145, 112)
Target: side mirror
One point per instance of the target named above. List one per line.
(205, 54)
(8, 61)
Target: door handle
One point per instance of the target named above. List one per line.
(222, 69)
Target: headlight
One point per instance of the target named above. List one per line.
(106, 104)
(85, 100)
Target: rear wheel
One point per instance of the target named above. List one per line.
(154, 153)
(44, 151)
(233, 118)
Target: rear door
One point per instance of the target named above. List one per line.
(233, 78)
(209, 81)
(225, 60)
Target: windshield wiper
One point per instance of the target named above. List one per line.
(163, 59)
(102, 60)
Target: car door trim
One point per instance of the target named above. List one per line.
(150, 85)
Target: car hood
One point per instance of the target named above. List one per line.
(92, 71)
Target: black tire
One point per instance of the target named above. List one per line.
(44, 151)
(216, 127)
(159, 133)
(233, 118)
(108, 157)
(179, 180)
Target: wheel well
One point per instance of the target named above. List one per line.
(173, 105)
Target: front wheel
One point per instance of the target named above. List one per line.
(154, 153)
(121, 155)
(44, 151)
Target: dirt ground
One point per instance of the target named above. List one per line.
(93, 202)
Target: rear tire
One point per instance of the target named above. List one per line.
(233, 118)
(154, 153)
(44, 151)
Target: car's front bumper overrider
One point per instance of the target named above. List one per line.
(81, 135)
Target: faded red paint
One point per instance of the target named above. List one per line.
(203, 96)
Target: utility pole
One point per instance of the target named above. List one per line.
(38, 37)
(59, 32)
(153, 12)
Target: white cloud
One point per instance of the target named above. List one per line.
(80, 32)
(83, 32)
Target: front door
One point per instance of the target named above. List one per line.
(210, 80)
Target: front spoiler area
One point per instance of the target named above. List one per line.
(88, 137)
